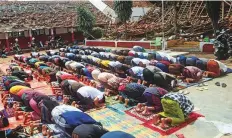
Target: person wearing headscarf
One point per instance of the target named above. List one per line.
(140, 62)
(112, 86)
(89, 131)
(117, 134)
(122, 70)
(105, 64)
(176, 108)
(75, 66)
(104, 77)
(153, 75)
(191, 61)
(181, 60)
(138, 49)
(132, 94)
(175, 69)
(22, 75)
(95, 74)
(191, 74)
(122, 59)
(136, 72)
(153, 100)
(163, 65)
(201, 63)
(215, 69)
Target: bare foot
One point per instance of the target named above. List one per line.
(138, 107)
(44, 130)
(120, 99)
(156, 119)
(164, 123)
(146, 112)
(126, 102)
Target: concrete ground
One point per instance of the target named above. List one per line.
(215, 104)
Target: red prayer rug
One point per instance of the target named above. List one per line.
(192, 117)
(144, 118)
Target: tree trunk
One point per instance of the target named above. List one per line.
(175, 18)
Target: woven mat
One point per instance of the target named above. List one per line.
(113, 121)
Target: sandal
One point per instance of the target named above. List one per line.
(217, 84)
(224, 85)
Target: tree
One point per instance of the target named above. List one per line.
(97, 32)
(85, 20)
(123, 10)
(213, 10)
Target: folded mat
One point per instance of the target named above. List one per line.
(192, 117)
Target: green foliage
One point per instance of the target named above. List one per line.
(97, 32)
(123, 9)
(85, 20)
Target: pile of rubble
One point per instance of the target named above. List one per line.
(150, 25)
(18, 15)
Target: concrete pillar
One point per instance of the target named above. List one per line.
(73, 36)
(7, 42)
(30, 34)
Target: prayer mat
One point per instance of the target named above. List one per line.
(119, 108)
(111, 100)
(114, 121)
(186, 85)
(192, 117)
(132, 112)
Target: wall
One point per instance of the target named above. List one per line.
(123, 44)
(23, 41)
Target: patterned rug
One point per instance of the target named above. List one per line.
(192, 117)
(132, 112)
(113, 121)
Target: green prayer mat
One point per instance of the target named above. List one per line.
(114, 121)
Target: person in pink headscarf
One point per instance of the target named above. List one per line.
(191, 74)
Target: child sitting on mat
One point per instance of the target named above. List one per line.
(153, 100)
(176, 108)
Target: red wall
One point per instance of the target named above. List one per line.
(100, 43)
(23, 41)
(78, 36)
(209, 48)
(124, 44)
(42, 38)
(131, 44)
(3, 41)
